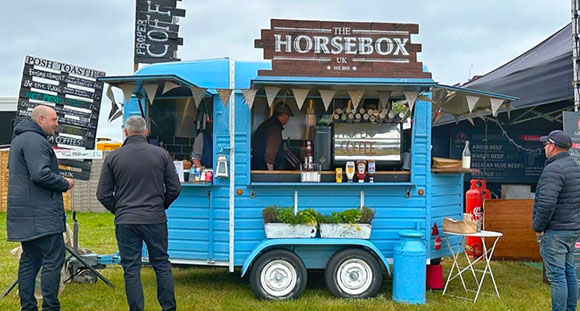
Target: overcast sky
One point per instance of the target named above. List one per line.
(459, 38)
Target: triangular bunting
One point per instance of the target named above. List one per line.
(169, 86)
(249, 96)
(115, 113)
(225, 95)
(355, 96)
(438, 117)
(471, 102)
(300, 96)
(425, 98)
(110, 94)
(150, 90)
(271, 92)
(480, 114)
(468, 118)
(384, 99)
(495, 104)
(127, 91)
(509, 109)
(197, 94)
(456, 119)
(326, 96)
(411, 97)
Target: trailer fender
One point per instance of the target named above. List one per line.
(270, 243)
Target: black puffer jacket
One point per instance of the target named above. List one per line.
(557, 204)
(34, 187)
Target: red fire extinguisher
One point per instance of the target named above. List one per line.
(474, 198)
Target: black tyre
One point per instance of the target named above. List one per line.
(278, 274)
(353, 273)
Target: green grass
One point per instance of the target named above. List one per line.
(520, 286)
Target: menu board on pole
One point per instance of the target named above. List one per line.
(499, 159)
(572, 127)
(75, 94)
(156, 31)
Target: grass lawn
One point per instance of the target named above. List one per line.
(520, 286)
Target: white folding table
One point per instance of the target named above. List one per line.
(457, 271)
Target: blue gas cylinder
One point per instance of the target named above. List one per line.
(409, 268)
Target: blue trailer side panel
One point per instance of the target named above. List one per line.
(446, 201)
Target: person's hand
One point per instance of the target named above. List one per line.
(71, 182)
(538, 234)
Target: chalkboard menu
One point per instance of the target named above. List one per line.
(75, 95)
(497, 158)
(572, 127)
(156, 31)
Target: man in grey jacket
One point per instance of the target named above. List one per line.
(138, 183)
(556, 218)
(35, 214)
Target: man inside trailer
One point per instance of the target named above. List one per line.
(267, 147)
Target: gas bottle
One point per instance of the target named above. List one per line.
(474, 198)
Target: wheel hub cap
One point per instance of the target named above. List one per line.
(354, 276)
(278, 278)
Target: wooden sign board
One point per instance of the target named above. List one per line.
(75, 94)
(341, 49)
(156, 34)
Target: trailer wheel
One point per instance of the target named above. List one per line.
(278, 274)
(353, 273)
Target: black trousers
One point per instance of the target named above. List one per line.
(130, 240)
(47, 252)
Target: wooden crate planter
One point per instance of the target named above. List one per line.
(288, 231)
(345, 231)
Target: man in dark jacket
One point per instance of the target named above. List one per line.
(556, 218)
(138, 183)
(35, 211)
(267, 148)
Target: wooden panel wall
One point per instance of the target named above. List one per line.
(514, 219)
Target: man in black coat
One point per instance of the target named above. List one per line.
(35, 214)
(138, 183)
(556, 218)
(267, 147)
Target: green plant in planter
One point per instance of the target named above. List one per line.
(270, 214)
(286, 215)
(367, 215)
(349, 216)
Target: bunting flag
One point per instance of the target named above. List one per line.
(249, 96)
(225, 95)
(456, 117)
(127, 91)
(271, 92)
(438, 117)
(327, 96)
(495, 104)
(116, 109)
(169, 86)
(355, 96)
(384, 99)
(300, 96)
(197, 94)
(509, 109)
(468, 118)
(471, 102)
(481, 116)
(425, 98)
(150, 90)
(411, 97)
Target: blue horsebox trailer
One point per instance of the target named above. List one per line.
(219, 223)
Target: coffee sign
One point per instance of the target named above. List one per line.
(341, 49)
(156, 31)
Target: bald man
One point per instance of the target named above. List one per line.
(35, 215)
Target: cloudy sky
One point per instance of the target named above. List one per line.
(460, 38)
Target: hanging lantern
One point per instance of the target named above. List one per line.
(222, 167)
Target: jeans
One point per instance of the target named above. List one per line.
(47, 252)
(130, 238)
(557, 250)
